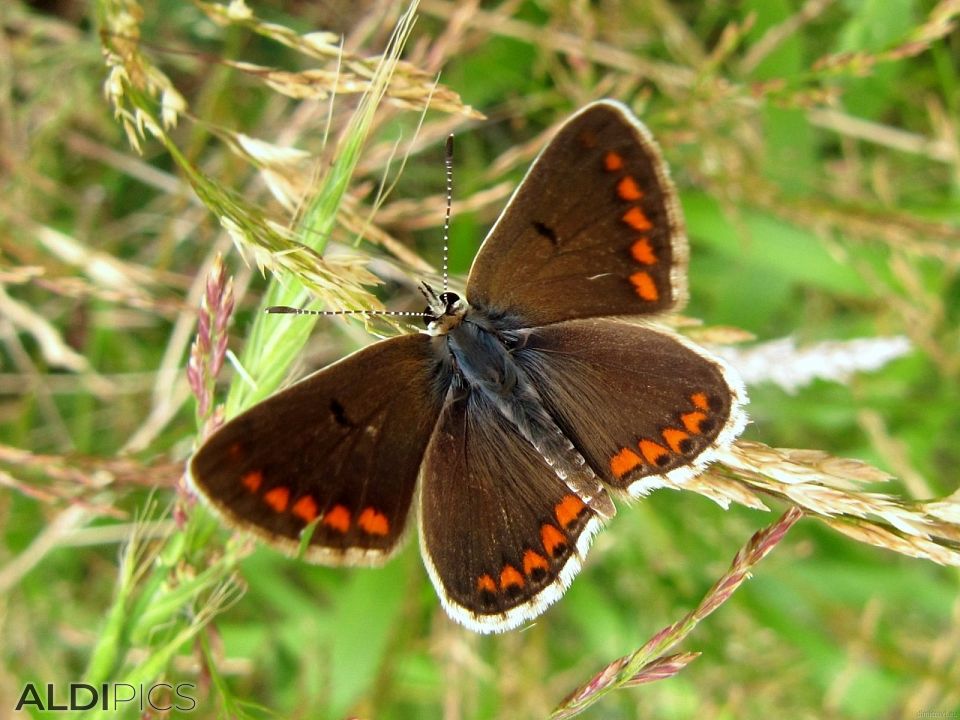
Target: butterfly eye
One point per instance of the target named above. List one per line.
(449, 299)
(428, 316)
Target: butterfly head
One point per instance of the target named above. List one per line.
(443, 312)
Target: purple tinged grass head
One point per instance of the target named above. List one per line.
(209, 349)
(650, 663)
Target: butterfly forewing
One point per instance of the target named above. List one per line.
(593, 230)
(502, 535)
(340, 451)
(642, 405)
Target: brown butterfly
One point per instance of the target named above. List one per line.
(520, 409)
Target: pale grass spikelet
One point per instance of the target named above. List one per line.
(337, 281)
(321, 41)
(782, 363)
(115, 81)
(241, 242)
(724, 491)
(134, 86)
(267, 154)
(826, 488)
(408, 87)
(285, 170)
(172, 105)
(238, 10)
(909, 545)
(947, 510)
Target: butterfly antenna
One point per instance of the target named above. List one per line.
(448, 164)
(428, 292)
(287, 310)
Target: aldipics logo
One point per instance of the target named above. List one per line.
(161, 697)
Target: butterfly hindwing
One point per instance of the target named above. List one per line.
(341, 449)
(594, 229)
(640, 403)
(501, 534)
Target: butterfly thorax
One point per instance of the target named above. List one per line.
(481, 356)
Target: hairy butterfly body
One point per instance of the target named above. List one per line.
(520, 409)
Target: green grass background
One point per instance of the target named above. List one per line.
(814, 210)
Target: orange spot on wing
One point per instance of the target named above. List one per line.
(510, 576)
(305, 508)
(373, 522)
(675, 439)
(645, 287)
(568, 510)
(612, 161)
(700, 400)
(252, 480)
(691, 421)
(642, 252)
(627, 189)
(623, 462)
(635, 218)
(337, 518)
(554, 541)
(277, 498)
(485, 584)
(533, 561)
(654, 453)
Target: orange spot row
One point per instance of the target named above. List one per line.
(635, 218)
(486, 584)
(628, 189)
(692, 421)
(642, 252)
(511, 577)
(373, 522)
(613, 161)
(370, 521)
(643, 283)
(568, 510)
(554, 541)
(277, 498)
(534, 564)
(252, 480)
(338, 518)
(306, 509)
(535, 567)
(654, 453)
(678, 441)
(623, 462)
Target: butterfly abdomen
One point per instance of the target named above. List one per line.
(486, 365)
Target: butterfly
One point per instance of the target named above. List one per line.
(511, 421)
